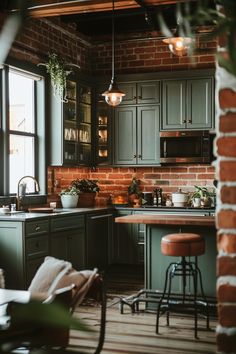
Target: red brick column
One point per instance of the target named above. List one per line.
(226, 209)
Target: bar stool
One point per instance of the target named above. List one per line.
(183, 245)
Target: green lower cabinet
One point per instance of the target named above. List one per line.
(99, 228)
(128, 242)
(11, 255)
(156, 263)
(67, 240)
(70, 247)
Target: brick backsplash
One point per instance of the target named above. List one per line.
(115, 180)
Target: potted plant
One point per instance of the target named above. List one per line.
(134, 192)
(69, 197)
(201, 197)
(88, 189)
(58, 74)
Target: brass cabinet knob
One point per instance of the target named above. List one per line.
(135, 156)
(184, 121)
(189, 120)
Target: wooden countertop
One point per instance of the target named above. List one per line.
(166, 219)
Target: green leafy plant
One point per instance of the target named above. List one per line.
(58, 74)
(86, 185)
(71, 190)
(134, 187)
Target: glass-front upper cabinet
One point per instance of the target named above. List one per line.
(103, 116)
(85, 124)
(70, 124)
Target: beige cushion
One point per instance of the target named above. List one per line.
(48, 275)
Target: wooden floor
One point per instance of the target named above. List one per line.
(135, 333)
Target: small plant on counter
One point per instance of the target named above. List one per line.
(86, 185)
(134, 187)
(203, 194)
(71, 190)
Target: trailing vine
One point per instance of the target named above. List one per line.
(58, 74)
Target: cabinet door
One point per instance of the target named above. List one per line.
(200, 104)
(174, 105)
(85, 152)
(124, 243)
(12, 258)
(130, 91)
(98, 236)
(125, 136)
(70, 246)
(148, 142)
(148, 92)
(103, 130)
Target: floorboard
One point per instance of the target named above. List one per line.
(135, 333)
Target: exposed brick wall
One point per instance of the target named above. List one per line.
(41, 36)
(115, 181)
(226, 210)
(149, 55)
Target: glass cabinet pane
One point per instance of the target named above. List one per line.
(103, 131)
(85, 125)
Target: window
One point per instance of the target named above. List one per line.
(23, 135)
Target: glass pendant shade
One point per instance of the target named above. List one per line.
(178, 45)
(113, 96)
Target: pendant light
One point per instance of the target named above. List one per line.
(179, 44)
(113, 96)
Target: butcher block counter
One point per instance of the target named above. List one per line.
(156, 226)
(167, 219)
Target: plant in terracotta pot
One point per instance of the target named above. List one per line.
(134, 192)
(88, 189)
(69, 197)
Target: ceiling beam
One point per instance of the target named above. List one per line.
(48, 8)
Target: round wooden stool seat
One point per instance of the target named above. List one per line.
(182, 245)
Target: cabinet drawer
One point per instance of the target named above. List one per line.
(67, 223)
(40, 227)
(37, 246)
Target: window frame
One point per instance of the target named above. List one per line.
(39, 134)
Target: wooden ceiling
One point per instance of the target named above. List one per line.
(93, 17)
(47, 8)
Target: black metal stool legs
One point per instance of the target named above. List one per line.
(189, 302)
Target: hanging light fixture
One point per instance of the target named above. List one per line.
(179, 44)
(113, 96)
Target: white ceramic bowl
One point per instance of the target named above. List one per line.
(4, 210)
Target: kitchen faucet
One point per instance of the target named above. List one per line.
(18, 197)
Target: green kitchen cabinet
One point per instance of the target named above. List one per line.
(99, 229)
(71, 126)
(188, 104)
(67, 239)
(103, 129)
(136, 135)
(140, 93)
(23, 247)
(127, 242)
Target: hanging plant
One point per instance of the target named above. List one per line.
(58, 74)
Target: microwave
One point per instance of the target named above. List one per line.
(185, 147)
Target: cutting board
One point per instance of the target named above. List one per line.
(40, 210)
